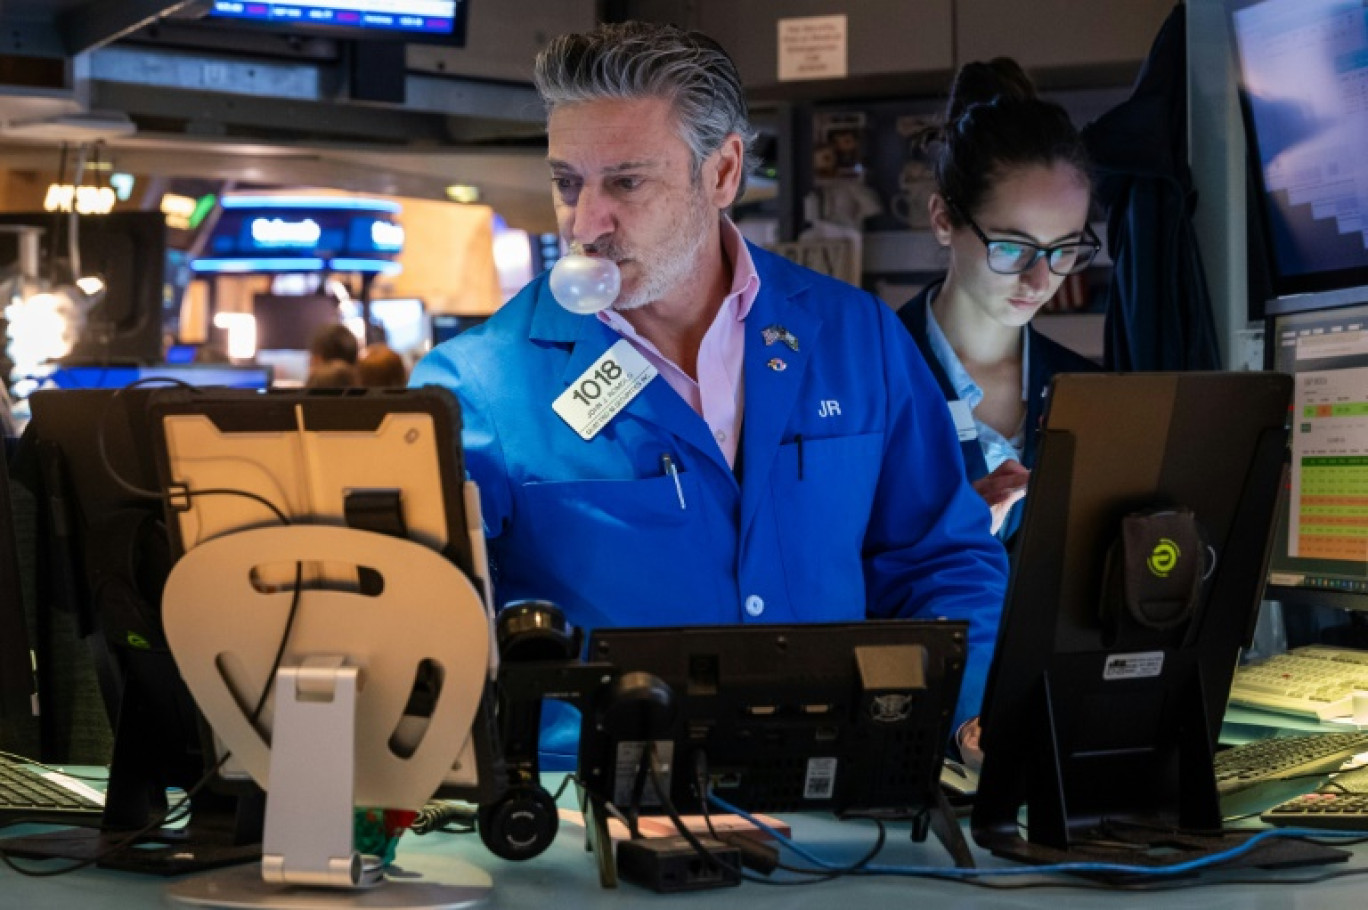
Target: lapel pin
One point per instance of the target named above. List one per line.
(777, 365)
(776, 333)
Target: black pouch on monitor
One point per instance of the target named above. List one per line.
(1154, 574)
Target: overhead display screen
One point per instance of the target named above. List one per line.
(417, 19)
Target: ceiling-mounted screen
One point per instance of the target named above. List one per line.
(429, 21)
(1303, 68)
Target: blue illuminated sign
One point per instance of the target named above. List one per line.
(304, 234)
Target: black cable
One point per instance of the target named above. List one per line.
(139, 492)
(657, 781)
(55, 240)
(820, 875)
(638, 788)
(652, 761)
(102, 429)
(565, 782)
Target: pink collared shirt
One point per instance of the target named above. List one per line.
(717, 396)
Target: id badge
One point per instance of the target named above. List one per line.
(600, 392)
(964, 420)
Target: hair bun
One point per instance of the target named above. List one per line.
(984, 83)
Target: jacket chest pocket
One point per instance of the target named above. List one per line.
(596, 528)
(823, 492)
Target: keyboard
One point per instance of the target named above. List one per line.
(1342, 803)
(1316, 682)
(1267, 760)
(27, 795)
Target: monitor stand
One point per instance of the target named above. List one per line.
(332, 744)
(1192, 833)
(416, 882)
(309, 855)
(1186, 821)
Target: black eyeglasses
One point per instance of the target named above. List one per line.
(1012, 257)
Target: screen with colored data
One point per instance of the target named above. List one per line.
(1321, 541)
(442, 20)
(1303, 67)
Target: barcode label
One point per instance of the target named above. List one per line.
(820, 782)
(1136, 665)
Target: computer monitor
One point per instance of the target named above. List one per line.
(446, 326)
(850, 718)
(1137, 576)
(427, 21)
(180, 354)
(94, 376)
(17, 691)
(1301, 65)
(108, 555)
(286, 323)
(404, 320)
(1320, 543)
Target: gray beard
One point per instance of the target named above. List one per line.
(657, 284)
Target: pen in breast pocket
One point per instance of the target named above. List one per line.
(667, 464)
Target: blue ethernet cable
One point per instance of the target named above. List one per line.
(951, 872)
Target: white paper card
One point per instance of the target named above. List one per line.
(600, 392)
(964, 420)
(813, 47)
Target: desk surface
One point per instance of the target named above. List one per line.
(567, 876)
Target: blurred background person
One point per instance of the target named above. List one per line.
(333, 342)
(380, 366)
(333, 374)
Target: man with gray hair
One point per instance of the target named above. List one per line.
(737, 439)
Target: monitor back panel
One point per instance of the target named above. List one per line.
(789, 717)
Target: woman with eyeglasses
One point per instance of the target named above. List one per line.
(1011, 205)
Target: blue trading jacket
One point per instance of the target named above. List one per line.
(851, 499)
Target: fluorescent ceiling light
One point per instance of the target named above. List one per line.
(84, 127)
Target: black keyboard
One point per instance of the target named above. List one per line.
(1272, 760)
(1342, 803)
(27, 795)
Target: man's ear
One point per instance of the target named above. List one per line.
(723, 169)
(940, 218)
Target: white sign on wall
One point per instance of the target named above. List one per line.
(812, 47)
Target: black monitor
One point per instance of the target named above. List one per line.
(96, 376)
(446, 326)
(109, 555)
(1136, 580)
(1301, 67)
(289, 323)
(1320, 544)
(850, 718)
(128, 251)
(423, 21)
(17, 689)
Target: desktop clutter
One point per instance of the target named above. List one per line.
(325, 635)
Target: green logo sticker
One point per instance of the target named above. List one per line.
(1163, 558)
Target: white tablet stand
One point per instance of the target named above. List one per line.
(330, 743)
(368, 490)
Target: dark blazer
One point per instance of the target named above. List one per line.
(1159, 314)
(1045, 358)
